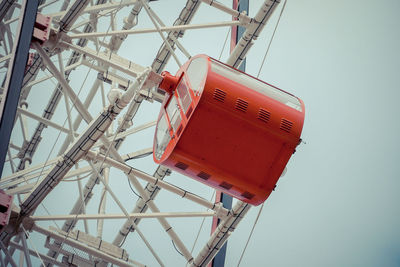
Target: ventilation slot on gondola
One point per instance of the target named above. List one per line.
(241, 105)
(181, 165)
(204, 175)
(286, 125)
(264, 115)
(225, 185)
(247, 195)
(219, 95)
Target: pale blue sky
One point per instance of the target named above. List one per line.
(338, 203)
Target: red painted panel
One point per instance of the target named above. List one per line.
(236, 140)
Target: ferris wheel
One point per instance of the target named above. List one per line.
(130, 118)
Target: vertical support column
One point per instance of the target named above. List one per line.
(236, 34)
(15, 75)
(237, 31)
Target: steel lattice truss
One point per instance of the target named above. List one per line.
(83, 134)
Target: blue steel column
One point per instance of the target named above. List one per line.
(237, 32)
(15, 75)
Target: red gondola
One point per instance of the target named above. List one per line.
(226, 129)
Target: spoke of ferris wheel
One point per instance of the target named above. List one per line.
(173, 37)
(141, 206)
(66, 87)
(167, 227)
(44, 121)
(124, 211)
(146, 8)
(110, 59)
(72, 14)
(115, 42)
(84, 143)
(50, 76)
(158, 65)
(161, 29)
(167, 186)
(27, 208)
(54, 100)
(70, 92)
(123, 216)
(94, 9)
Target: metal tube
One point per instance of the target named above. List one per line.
(146, 7)
(167, 186)
(221, 234)
(45, 258)
(25, 249)
(100, 221)
(162, 29)
(66, 87)
(44, 121)
(251, 33)
(111, 59)
(80, 246)
(240, 16)
(97, 8)
(124, 216)
(9, 257)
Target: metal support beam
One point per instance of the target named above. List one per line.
(124, 216)
(15, 75)
(161, 29)
(8, 255)
(5, 5)
(221, 234)
(45, 258)
(25, 249)
(79, 245)
(160, 183)
(252, 32)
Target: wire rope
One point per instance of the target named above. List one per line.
(34, 248)
(251, 234)
(272, 38)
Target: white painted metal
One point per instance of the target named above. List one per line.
(252, 32)
(79, 245)
(123, 216)
(7, 254)
(25, 249)
(236, 14)
(159, 29)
